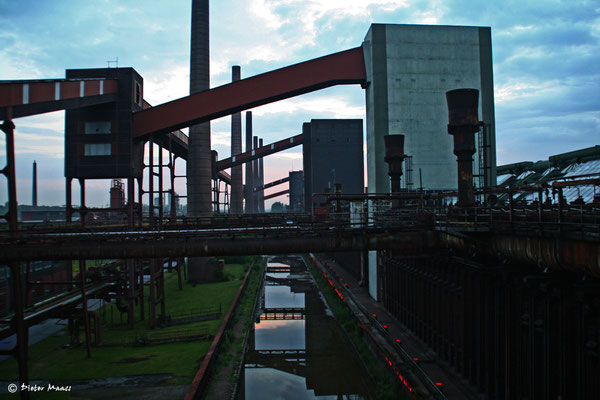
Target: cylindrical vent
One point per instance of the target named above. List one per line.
(394, 146)
(463, 107)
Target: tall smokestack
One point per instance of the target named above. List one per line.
(255, 177)
(249, 173)
(261, 182)
(237, 201)
(34, 184)
(199, 171)
(199, 163)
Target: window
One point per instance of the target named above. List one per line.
(138, 94)
(101, 127)
(97, 149)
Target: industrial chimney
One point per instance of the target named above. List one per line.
(199, 158)
(237, 200)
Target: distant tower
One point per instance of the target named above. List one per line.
(34, 184)
(237, 199)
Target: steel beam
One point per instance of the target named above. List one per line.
(346, 67)
(166, 244)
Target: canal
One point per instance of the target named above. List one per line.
(296, 349)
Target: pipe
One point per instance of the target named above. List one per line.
(237, 201)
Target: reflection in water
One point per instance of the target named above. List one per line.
(282, 297)
(296, 349)
(279, 335)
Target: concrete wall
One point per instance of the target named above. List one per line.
(409, 70)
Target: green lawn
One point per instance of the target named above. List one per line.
(49, 361)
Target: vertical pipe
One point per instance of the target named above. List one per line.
(199, 169)
(160, 186)
(151, 183)
(141, 283)
(130, 200)
(140, 181)
(20, 327)
(84, 308)
(261, 181)
(82, 208)
(34, 186)
(236, 200)
(69, 200)
(9, 129)
(249, 164)
(255, 177)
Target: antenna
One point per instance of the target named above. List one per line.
(110, 62)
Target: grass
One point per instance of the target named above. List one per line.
(48, 360)
(385, 386)
(230, 353)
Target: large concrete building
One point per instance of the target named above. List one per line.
(409, 70)
(332, 153)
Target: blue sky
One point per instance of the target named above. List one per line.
(546, 57)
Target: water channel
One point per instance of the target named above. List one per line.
(296, 349)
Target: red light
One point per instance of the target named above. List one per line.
(385, 327)
(374, 315)
(398, 340)
(416, 359)
(439, 384)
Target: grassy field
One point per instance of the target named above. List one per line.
(48, 360)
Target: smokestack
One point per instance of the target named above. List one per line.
(261, 181)
(255, 177)
(237, 201)
(199, 158)
(34, 184)
(199, 163)
(394, 155)
(463, 122)
(249, 173)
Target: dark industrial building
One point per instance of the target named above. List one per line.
(296, 191)
(333, 154)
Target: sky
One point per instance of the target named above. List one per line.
(546, 55)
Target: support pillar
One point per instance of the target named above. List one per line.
(69, 200)
(255, 177)
(82, 207)
(84, 307)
